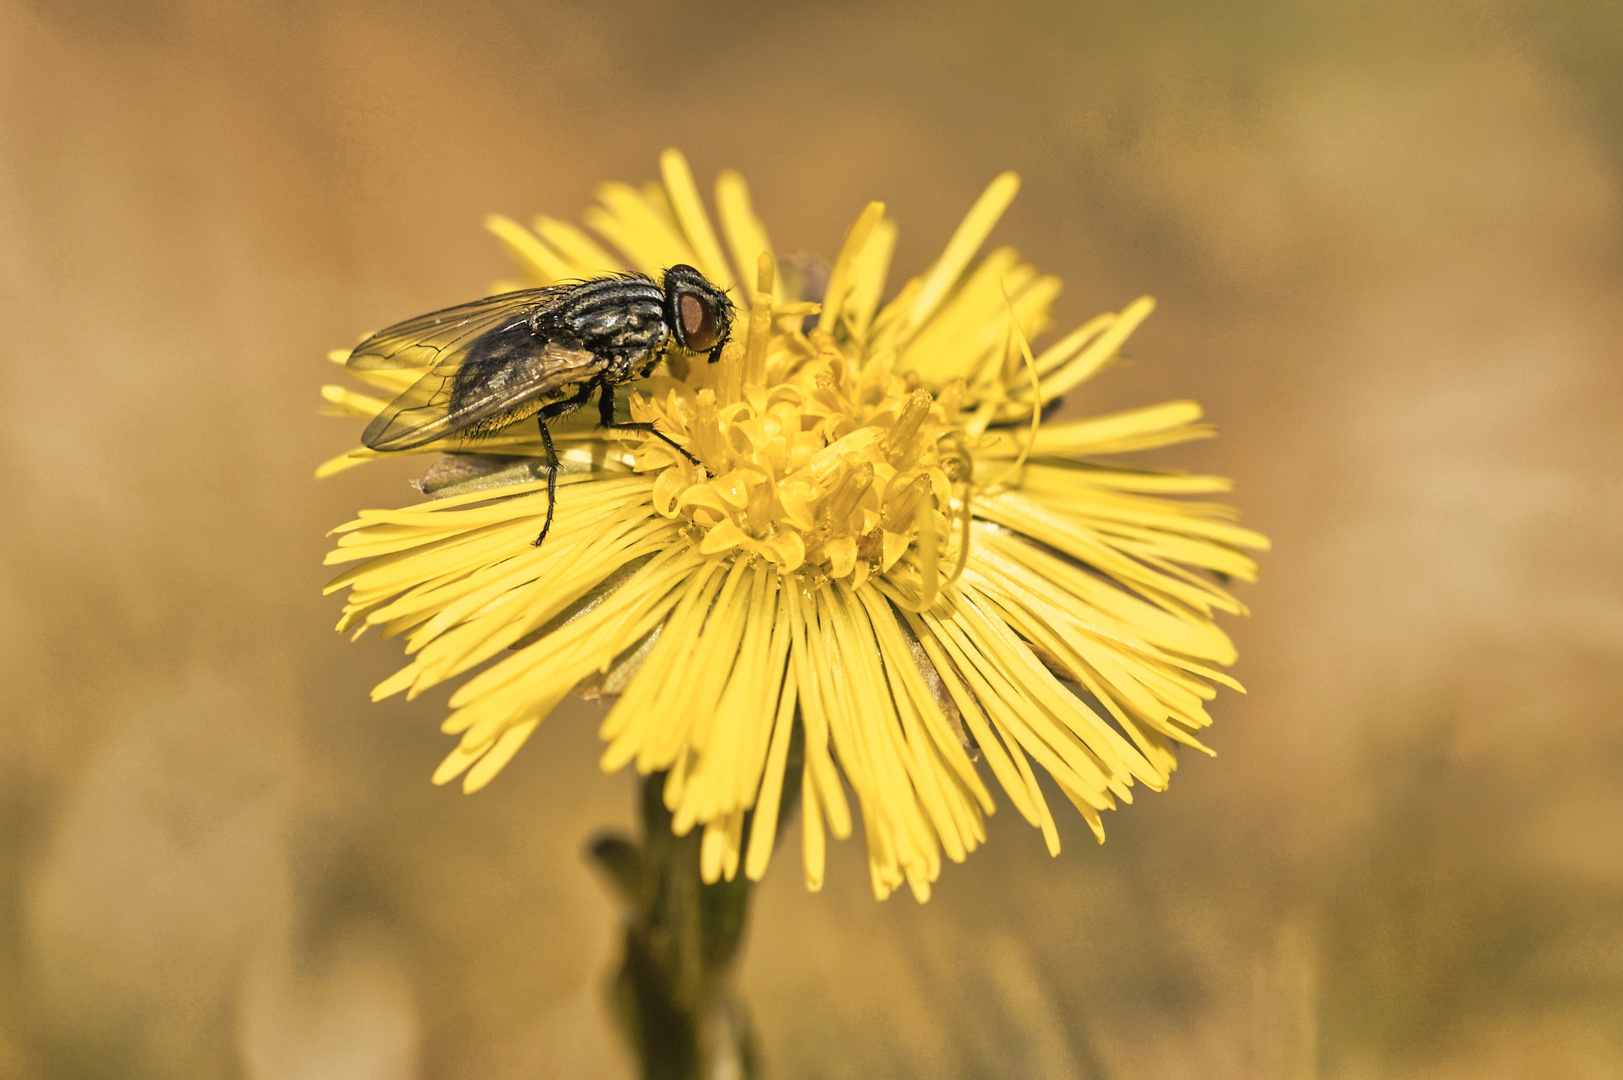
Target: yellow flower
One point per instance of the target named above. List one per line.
(886, 548)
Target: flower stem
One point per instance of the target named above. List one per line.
(675, 997)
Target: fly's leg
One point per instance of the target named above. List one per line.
(552, 474)
(605, 418)
(550, 412)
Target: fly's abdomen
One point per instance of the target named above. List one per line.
(497, 366)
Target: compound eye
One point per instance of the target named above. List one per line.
(698, 318)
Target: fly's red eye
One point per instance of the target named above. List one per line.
(698, 321)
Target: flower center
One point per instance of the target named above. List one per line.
(823, 465)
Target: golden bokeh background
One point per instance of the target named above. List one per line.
(1387, 242)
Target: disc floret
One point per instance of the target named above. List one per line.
(818, 463)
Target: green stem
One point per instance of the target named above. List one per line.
(675, 996)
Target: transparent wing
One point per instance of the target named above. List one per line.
(428, 340)
(476, 383)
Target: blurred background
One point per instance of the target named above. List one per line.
(1387, 244)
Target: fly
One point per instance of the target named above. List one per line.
(542, 353)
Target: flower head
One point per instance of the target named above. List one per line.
(885, 559)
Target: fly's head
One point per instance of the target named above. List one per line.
(699, 314)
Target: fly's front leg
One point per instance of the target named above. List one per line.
(605, 416)
(550, 412)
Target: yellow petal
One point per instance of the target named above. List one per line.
(971, 234)
(724, 535)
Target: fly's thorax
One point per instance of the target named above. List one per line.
(621, 319)
(624, 368)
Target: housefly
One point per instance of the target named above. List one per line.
(542, 353)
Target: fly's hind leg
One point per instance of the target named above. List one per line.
(605, 417)
(552, 412)
(552, 475)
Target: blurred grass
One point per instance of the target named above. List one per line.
(1434, 943)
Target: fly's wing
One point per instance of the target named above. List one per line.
(466, 389)
(428, 340)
